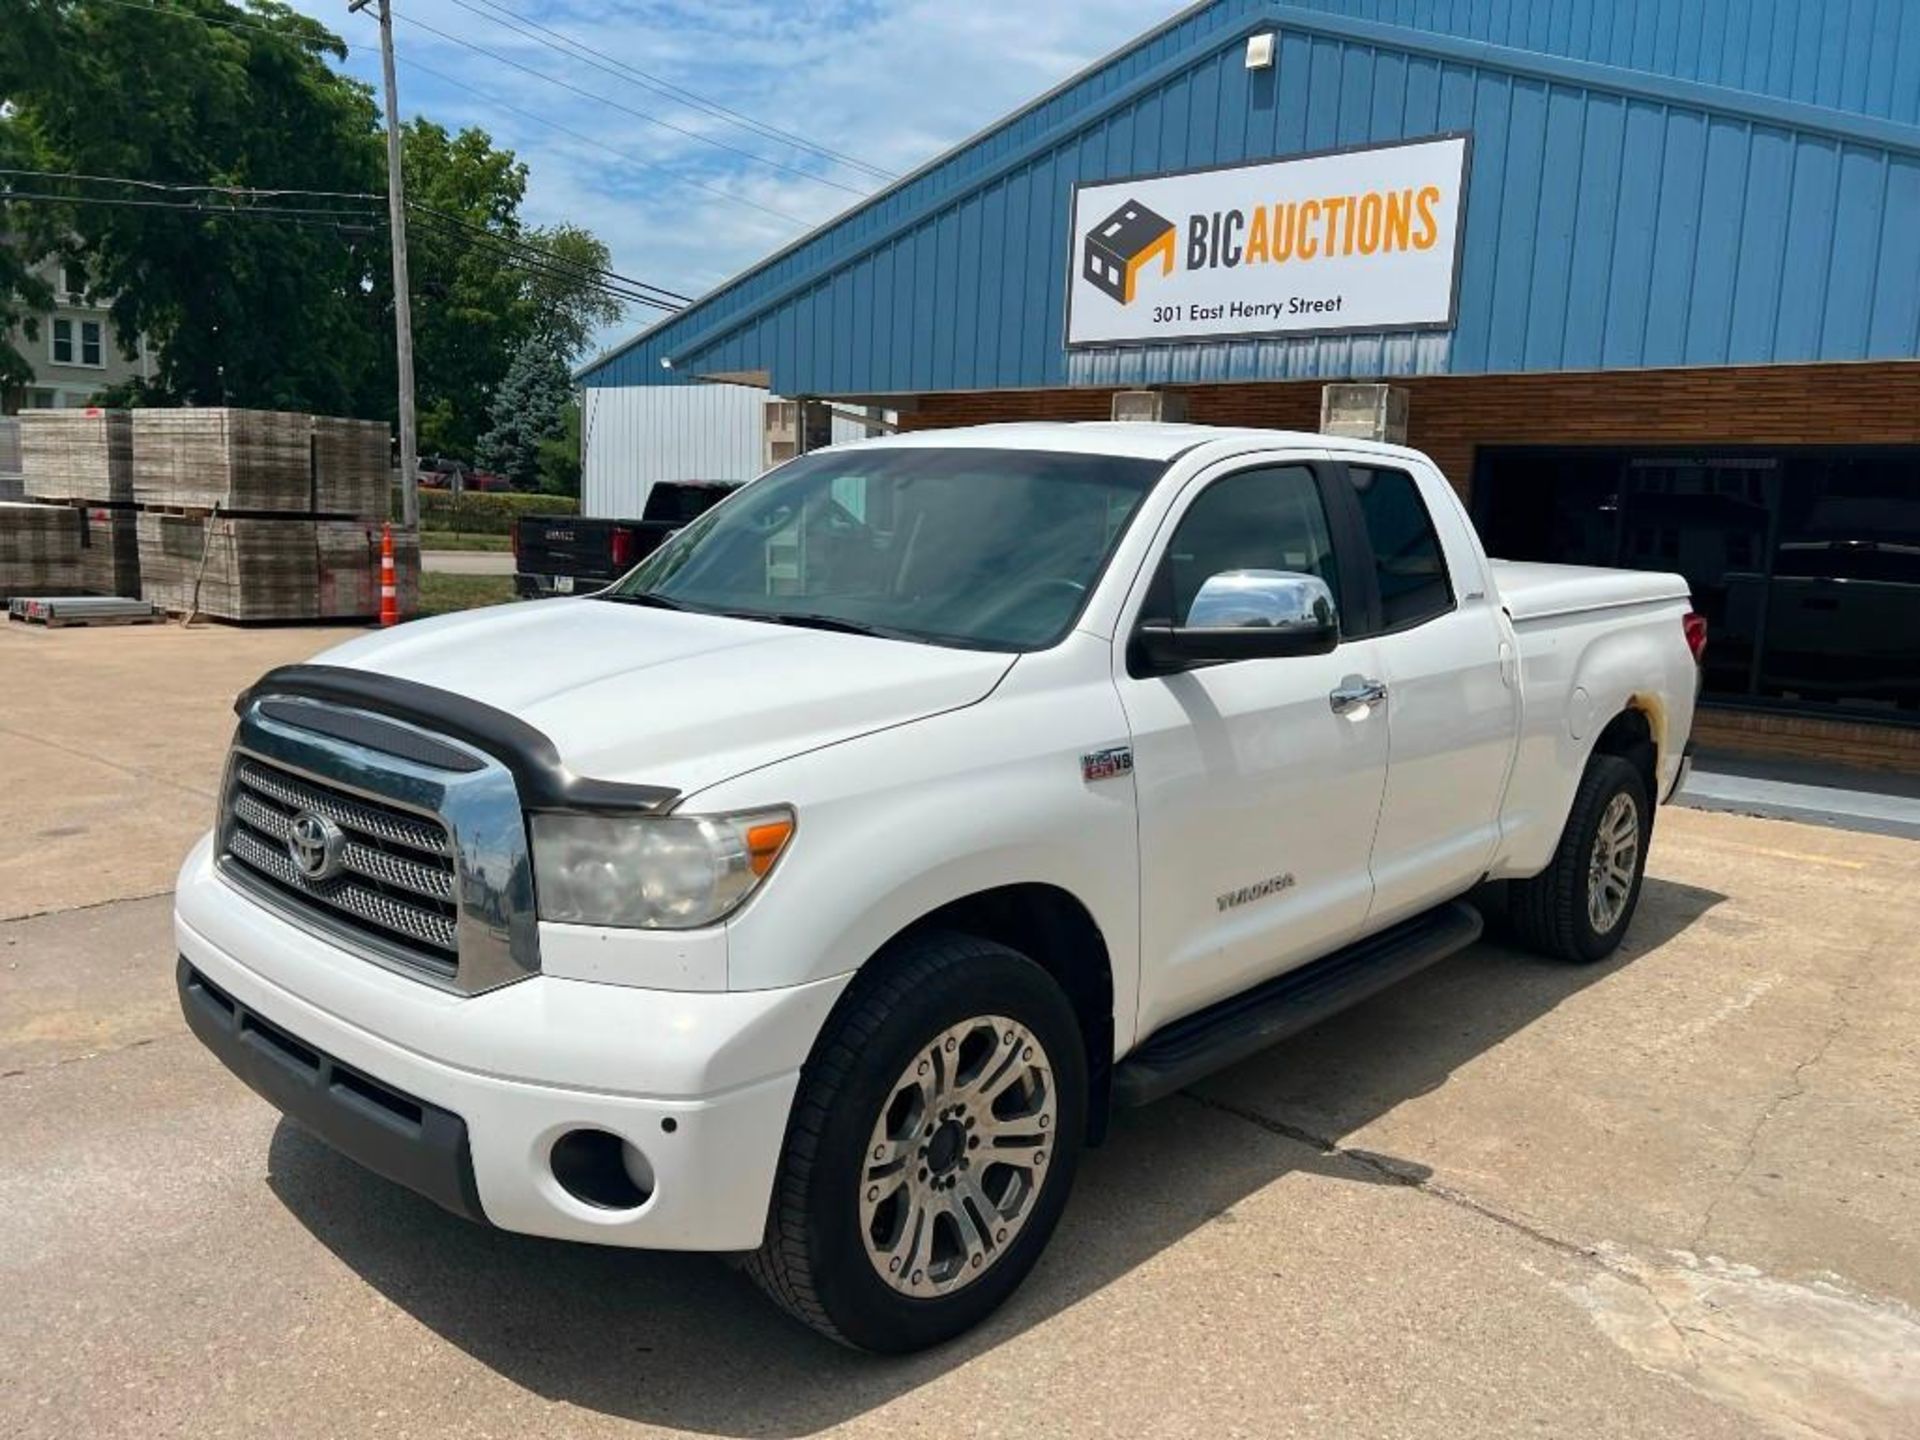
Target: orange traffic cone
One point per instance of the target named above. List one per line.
(389, 592)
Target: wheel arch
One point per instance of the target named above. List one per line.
(1633, 735)
(1052, 927)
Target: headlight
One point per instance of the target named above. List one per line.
(672, 872)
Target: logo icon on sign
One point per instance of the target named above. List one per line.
(1124, 244)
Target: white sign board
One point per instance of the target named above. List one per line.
(1355, 240)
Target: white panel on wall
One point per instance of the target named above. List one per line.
(634, 435)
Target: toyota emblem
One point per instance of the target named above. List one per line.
(314, 844)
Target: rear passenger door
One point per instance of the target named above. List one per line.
(1452, 693)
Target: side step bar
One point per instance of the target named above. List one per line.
(1195, 1046)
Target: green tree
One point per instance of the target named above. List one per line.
(562, 309)
(23, 242)
(467, 315)
(560, 457)
(529, 408)
(251, 310)
(271, 309)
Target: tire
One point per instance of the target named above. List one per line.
(1552, 913)
(859, 1091)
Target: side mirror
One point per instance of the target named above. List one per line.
(1244, 615)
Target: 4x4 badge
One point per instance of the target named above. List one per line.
(1106, 764)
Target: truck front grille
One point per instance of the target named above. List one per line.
(396, 881)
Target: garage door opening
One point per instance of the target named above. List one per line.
(1806, 561)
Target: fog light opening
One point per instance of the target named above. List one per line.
(601, 1170)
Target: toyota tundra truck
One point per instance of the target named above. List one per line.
(813, 893)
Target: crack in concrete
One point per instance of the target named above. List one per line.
(1808, 1362)
(128, 770)
(6, 920)
(1794, 1089)
(64, 1060)
(1396, 1171)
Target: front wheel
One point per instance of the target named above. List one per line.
(933, 1142)
(1579, 907)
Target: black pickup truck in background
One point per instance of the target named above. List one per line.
(573, 554)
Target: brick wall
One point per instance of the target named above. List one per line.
(1450, 416)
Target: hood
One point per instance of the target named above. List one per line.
(659, 697)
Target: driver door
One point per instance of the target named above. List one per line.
(1257, 798)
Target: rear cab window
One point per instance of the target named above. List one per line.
(1410, 569)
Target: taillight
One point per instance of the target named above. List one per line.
(622, 550)
(1696, 628)
(513, 532)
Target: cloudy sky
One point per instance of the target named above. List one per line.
(686, 197)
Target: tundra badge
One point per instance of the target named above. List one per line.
(1107, 764)
(1259, 890)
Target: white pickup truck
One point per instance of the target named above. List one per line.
(815, 891)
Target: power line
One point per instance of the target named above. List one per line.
(590, 272)
(619, 69)
(532, 265)
(626, 155)
(197, 206)
(183, 188)
(441, 75)
(365, 222)
(326, 37)
(694, 135)
(546, 254)
(539, 262)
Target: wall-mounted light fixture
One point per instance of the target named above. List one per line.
(1260, 51)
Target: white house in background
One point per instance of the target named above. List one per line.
(75, 356)
(633, 435)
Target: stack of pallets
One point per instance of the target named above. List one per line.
(39, 549)
(252, 515)
(83, 460)
(230, 567)
(351, 466)
(243, 461)
(349, 553)
(12, 487)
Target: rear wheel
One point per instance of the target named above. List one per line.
(1579, 907)
(933, 1142)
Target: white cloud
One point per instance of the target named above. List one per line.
(892, 84)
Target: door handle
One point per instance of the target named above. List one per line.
(1355, 693)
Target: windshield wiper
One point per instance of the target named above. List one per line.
(814, 622)
(642, 597)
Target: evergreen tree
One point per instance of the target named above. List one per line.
(529, 407)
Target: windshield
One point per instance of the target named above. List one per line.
(992, 549)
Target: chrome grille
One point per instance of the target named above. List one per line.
(398, 884)
(374, 821)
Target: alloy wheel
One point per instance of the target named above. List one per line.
(958, 1156)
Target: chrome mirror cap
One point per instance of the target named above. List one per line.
(1284, 600)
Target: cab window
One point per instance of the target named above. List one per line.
(1407, 562)
(1266, 519)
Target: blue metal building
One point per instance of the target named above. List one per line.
(1687, 300)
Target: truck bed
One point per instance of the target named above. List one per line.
(1541, 592)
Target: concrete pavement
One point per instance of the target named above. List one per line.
(1673, 1195)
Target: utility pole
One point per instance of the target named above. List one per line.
(402, 294)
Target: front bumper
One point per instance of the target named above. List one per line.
(699, 1082)
(398, 1136)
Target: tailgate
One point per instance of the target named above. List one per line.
(564, 545)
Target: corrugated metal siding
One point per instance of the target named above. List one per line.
(1612, 220)
(1857, 55)
(634, 435)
